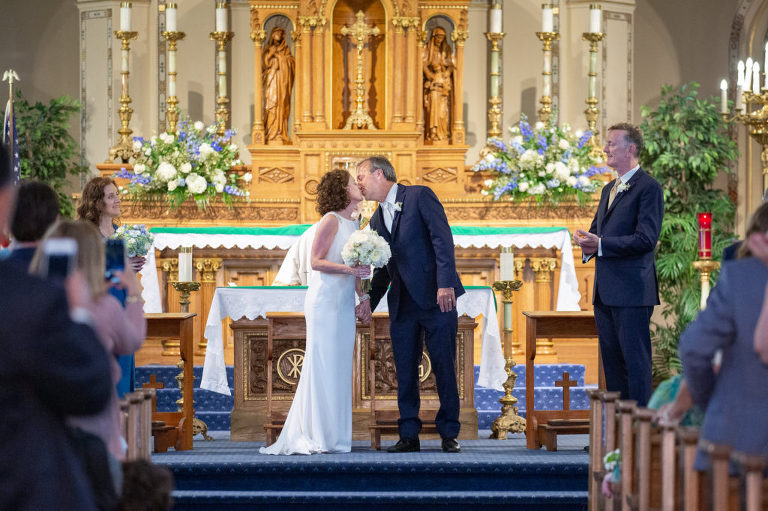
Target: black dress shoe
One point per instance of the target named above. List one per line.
(405, 445)
(451, 445)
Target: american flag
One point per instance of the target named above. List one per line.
(11, 137)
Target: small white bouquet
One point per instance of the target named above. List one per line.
(138, 240)
(366, 248)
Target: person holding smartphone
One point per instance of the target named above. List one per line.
(121, 330)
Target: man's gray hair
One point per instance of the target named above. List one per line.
(381, 162)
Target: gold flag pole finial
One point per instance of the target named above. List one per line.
(10, 76)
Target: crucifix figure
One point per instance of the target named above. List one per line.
(566, 383)
(360, 32)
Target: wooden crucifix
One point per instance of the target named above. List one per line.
(360, 32)
(566, 383)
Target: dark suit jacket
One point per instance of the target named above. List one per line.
(625, 275)
(729, 252)
(50, 368)
(736, 408)
(423, 257)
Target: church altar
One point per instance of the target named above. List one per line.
(558, 238)
(255, 302)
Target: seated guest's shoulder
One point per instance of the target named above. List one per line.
(18, 284)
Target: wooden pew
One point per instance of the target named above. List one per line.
(690, 478)
(754, 485)
(136, 423)
(627, 446)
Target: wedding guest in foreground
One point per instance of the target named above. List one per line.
(37, 208)
(736, 411)
(53, 366)
(423, 288)
(622, 238)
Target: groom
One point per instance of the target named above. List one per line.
(422, 298)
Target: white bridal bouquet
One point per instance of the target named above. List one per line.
(366, 248)
(138, 240)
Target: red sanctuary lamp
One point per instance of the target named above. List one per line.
(705, 265)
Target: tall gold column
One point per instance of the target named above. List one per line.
(305, 22)
(400, 83)
(413, 80)
(459, 36)
(421, 41)
(543, 268)
(318, 47)
(170, 268)
(123, 149)
(258, 35)
(494, 112)
(207, 268)
(592, 112)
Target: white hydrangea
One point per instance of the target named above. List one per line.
(488, 182)
(211, 128)
(564, 144)
(550, 167)
(584, 181)
(529, 159)
(205, 151)
(539, 125)
(562, 171)
(233, 148)
(366, 248)
(172, 185)
(247, 177)
(166, 138)
(523, 186)
(137, 145)
(196, 183)
(153, 141)
(199, 126)
(537, 189)
(490, 157)
(578, 133)
(166, 171)
(139, 168)
(185, 168)
(517, 139)
(218, 187)
(571, 181)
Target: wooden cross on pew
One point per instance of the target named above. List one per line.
(154, 384)
(566, 383)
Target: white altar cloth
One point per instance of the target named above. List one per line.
(253, 302)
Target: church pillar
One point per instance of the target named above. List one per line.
(318, 45)
(416, 89)
(412, 80)
(400, 82)
(257, 35)
(460, 36)
(305, 70)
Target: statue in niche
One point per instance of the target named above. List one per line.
(438, 86)
(278, 72)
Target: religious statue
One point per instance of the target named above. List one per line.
(438, 87)
(279, 67)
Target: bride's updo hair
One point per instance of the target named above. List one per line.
(332, 191)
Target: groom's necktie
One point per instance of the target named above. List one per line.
(614, 190)
(388, 211)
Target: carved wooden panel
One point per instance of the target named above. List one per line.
(440, 175)
(256, 367)
(275, 175)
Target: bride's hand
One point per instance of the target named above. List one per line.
(362, 272)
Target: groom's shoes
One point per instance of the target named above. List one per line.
(405, 445)
(451, 445)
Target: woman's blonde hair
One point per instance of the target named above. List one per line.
(91, 259)
(758, 222)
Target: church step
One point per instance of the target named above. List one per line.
(404, 500)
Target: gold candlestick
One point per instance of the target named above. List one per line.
(123, 149)
(360, 118)
(545, 112)
(705, 267)
(185, 290)
(753, 113)
(494, 112)
(508, 421)
(171, 109)
(222, 112)
(592, 112)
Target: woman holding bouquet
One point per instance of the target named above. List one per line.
(320, 418)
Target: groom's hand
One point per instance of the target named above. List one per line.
(363, 311)
(446, 299)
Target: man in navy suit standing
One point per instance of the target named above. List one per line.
(623, 238)
(422, 297)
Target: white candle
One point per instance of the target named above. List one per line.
(171, 87)
(595, 15)
(547, 19)
(507, 264)
(756, 78)
(724, 97)
(125, 16)
(496, 19)
(185, 264)
(740, 68)
(748, 75)
(170, 17)
(221, 17)
(765, 64)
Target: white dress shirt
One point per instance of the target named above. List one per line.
(388, 207)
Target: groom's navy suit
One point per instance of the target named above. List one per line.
(626, 289)
(422, 261)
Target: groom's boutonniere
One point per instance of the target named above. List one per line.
(623, 187)
(398, 206)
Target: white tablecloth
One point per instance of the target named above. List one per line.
(568, 291)
(253, 302)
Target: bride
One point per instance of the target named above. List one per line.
(320, 418)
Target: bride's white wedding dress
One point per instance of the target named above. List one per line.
(320, 418)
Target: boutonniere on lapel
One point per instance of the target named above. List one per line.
(398, 206)
(623, 187)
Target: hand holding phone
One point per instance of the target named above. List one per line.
(59, 259)
(115, 256)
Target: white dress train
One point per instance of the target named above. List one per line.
(320, 418)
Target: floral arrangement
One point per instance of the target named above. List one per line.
(366, 248)
(541, 162)
(192, 163)
(138, 240)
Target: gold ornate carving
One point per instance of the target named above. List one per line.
(289, 365)
(171, 267)
(255, 357)
(543, 268)
(207, 268)
(311, 186)
(159, 210)
(275, 175)
(440, 175)
(459, 36)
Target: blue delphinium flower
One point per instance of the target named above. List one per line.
(584, 138)
(525, 129)
(498, 144)
(566, 156)
(541, 144)
(553, 183)
(124, 173)
(216, 147)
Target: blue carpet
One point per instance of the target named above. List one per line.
(488, 473)
(214, 409)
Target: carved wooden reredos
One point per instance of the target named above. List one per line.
(393, 83)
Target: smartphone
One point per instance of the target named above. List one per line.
(115, 251)
(59, 258)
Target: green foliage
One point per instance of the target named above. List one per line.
(686, 147)
(46, 149)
